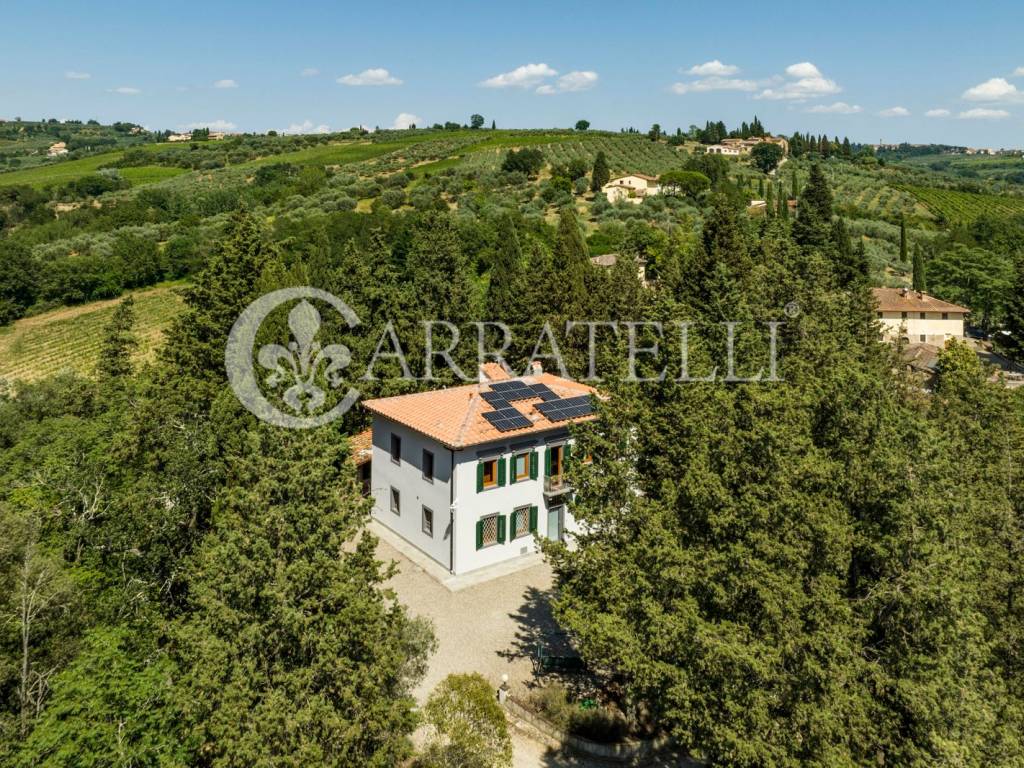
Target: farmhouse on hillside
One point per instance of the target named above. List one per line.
(746, 145)
(468, 474)
(634, 188)
(914, 316)
(57, 150)
(722, 149)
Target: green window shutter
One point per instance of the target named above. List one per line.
(565, 455)
(512, 471)
(501, 528)
(533, 519)
(501, 471)
(479, 534)
(547, 462)
(533, 465)
(479, 476)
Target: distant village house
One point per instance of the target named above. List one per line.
(634, 188)
(57, 150)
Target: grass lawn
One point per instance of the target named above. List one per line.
(69, 338)
(150, 174)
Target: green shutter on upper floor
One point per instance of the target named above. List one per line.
(479, 476)
(547, 462)
(533, 465)
(501, 471)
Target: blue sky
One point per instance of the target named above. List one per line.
(916, 71)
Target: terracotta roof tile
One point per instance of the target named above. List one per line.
(361, 446)
(904, 300)
(454, 416)
(494, 372)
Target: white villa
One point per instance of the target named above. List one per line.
(469, 474)
(634, 188)
(57, 150)
(723, 149)
(917, 317)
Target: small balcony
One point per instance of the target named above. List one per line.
(556, 485)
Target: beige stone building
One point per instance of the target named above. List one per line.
(917, 317)
(634, 188)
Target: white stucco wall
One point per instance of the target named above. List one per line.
(469, 505)
(932, 326)
(415, 492)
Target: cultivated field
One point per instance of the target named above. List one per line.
(964, 207)
(70, 338)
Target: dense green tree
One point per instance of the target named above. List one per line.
(19, 281)
(903, 241)
(975, 277)
(476, 121)
(919, 275)
(766, 156)
(600, 175)
(119, 342)
(582, 125)
(1012, 341)
(814, 213)
(292, 653)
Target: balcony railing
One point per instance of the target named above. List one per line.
(555, 484)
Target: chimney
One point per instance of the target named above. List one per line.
(536, 369)
(903, 291)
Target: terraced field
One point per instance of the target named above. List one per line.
(964, 207)
(70, 338)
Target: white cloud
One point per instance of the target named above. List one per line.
(405, 119)
(72, 75)
(707, 84)
(806, 82)
(803, 69)
(306, 126)
(125, 90)
(1018, 72)
(838, 108)
(573, 81)
(373, 76)
(713, 68)
(937, 113)
(213, 125)
(227, 83)
(310, 72)
(994, 89)
(980, 113)
(895, 112)
(526, 76)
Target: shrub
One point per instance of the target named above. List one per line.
(468, 726)
(601, 724)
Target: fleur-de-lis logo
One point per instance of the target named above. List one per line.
(302, 367)
(299, 363)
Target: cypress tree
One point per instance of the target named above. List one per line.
(920, 279)
(769, 202)
(903, 241)
(507, 276)
(291, 647)
(814, 213)
(1011, 343)
(783, 203)
(571, 263)
(601, 174)
(115, 361)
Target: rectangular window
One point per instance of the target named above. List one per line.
(923, 337)
(428, 522)
(396, 501)
(520, 522)
(923, 315)
(945, 315)
(490, 473)
(521, 467)
(428, 466)
(556, 460)
(903, 315)
(396, 449)
(488, 530)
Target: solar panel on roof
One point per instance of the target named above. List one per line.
(497, 399)
(543, 392)
(566, 408)
(501, 386)
(504, 422)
